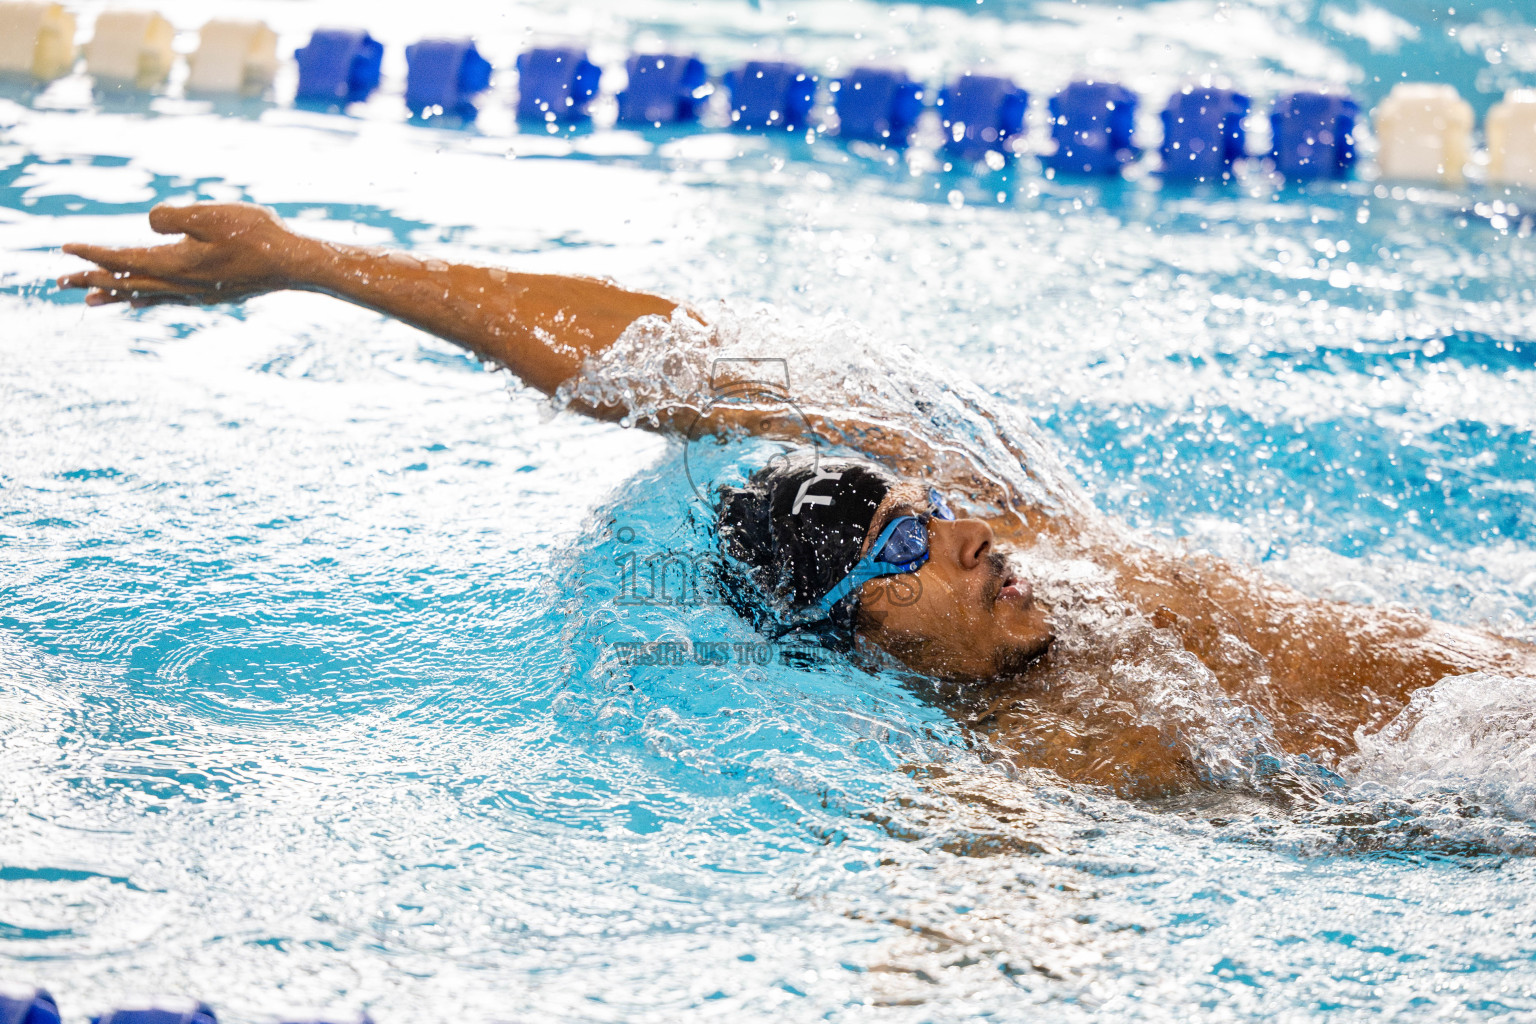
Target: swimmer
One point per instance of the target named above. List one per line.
(867, 553)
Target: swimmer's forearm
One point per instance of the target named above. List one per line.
(539, 326)
(542, 327)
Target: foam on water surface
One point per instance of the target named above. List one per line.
(1472, 736)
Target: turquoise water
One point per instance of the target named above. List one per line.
(313, 633)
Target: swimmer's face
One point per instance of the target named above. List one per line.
(962, 614)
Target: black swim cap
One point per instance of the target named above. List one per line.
(799, 526)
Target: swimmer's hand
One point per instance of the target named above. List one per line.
(230, 252)
(540, 326)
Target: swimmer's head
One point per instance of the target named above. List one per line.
(798, 527)
(802, 523)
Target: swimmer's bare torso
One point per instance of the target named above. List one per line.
(1316, 670)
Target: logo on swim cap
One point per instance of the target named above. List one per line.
(802, 498)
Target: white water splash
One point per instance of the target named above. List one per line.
(836, 370)
(1473, 735)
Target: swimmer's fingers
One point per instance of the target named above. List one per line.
(197, 266)
(142, 300)
(210, 222)
(108, 281)
(230, 251)
(86, 279)
(142, 291)
(75, 280)
(135, 289)
(155, 259)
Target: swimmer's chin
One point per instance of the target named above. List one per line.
(1017, 661)
(1009, 663)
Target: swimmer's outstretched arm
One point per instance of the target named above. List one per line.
(539, 326)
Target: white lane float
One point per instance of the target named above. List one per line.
(238, 57)
(37, 40)
(1511, 128)
(1425, 133)
(131, 48)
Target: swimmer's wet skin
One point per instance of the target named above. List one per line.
(858, 551)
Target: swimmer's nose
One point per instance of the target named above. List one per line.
(972, 539)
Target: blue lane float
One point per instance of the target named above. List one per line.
(28, 1006)
(558, 81)
(770, 95)
(445, 76)
(1094, 125)
(980, 114)
(1203, 133)
(1313, 135)
(877, 105)
(190, 1012)
(664, 88)
(338, 66)
(37, 1006)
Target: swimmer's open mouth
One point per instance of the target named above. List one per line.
(1009, 586)
(1016, 590)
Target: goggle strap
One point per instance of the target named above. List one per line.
(864, 570)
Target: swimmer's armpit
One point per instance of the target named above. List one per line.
(539, 326)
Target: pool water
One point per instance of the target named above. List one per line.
(318, 641)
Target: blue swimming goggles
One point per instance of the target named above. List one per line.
(901, 547)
